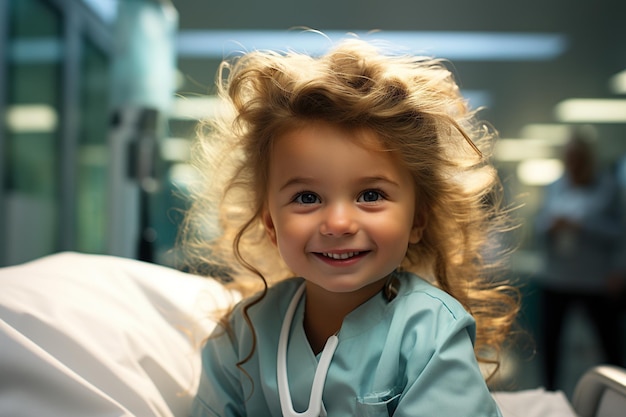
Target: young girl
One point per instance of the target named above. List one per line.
(353, 191)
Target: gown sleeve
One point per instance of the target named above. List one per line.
(451, 383)
(219, 393)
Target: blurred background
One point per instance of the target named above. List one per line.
(100, 100)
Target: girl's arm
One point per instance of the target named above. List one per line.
(219, 393)
(451, 384)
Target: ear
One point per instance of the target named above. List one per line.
(419, 224)
(268, 223)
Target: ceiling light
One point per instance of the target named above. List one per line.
(195, 108)
(31, 118)
(176, 149)
(539, 172)
(554, 133)
(522, 149)
(469, 46)
(617, 83)
(592, 110)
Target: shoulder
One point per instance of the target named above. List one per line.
(263, 314)
(421, 302)
(273, 304)
(414, 288)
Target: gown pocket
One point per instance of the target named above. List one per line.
(378, 404)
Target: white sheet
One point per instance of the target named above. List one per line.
(534, 403)
(88, 335)
(91, 335)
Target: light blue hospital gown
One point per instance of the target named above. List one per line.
(412, 356)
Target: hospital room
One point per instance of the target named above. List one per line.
(284, 208)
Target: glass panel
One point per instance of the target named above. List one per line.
(33, 96)
(93, 154)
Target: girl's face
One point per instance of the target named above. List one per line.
(342, 215)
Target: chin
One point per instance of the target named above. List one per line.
(349, 286)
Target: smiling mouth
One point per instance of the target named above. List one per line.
(340, 256)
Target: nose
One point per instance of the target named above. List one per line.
(339, 220)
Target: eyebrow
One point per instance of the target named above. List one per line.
(363, 181)
(297, 181)
(379, 178)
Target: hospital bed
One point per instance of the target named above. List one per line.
(95, 335)
(601, 392)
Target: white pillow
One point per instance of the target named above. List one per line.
(94, 335)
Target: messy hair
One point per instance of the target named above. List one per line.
(414, 106)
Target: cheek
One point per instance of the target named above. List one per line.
(291, 244)
(394, 234)
(291, 234)
(293, 230)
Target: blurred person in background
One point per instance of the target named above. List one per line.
(579, 225)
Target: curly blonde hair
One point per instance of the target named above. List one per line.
(415, 107)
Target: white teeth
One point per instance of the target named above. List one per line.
(340, 256)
